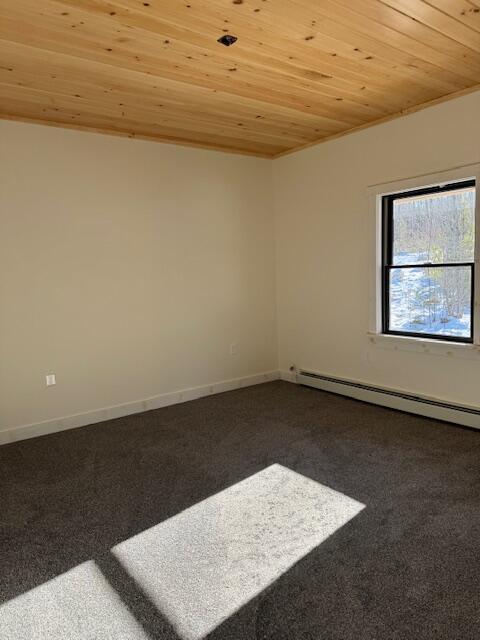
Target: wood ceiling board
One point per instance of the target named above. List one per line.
(221, 77)
(429, 44)
(181, 71)
(275, 93)
(104, 92)
(78, 119)
(301, 71)
(379, 44)
(293, 38)
(126, 90)
(438, 20)
(462, 10)
(288, 34)
(172, 124)
(78, 24)
(281, 49)
(394, 116)
(339, 26)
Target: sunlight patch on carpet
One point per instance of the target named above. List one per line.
(76, 605)
(202, 565)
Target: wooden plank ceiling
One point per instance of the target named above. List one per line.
(301, 70)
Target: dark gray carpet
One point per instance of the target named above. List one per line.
(406, 567)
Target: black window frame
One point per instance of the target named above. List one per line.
(387, 261)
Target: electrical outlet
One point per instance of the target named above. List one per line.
(233, 349)
(50, 379)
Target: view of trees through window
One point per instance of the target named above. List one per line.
(432, 245)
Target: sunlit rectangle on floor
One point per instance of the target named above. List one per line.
(76, 605)
(203, 564)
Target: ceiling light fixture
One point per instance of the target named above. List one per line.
(227, 40)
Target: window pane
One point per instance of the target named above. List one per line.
(434, 228)
(433, 300)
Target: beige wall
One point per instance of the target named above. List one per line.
(127, 268)
(324, 248)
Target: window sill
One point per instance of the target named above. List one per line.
(425, 345)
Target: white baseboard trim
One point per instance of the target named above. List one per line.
(117, 411)
(468, 416)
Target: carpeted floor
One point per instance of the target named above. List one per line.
(259, 551)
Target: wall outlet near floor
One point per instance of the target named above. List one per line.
(50, 379)
(233, 349)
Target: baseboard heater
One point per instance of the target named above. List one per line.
(456, 413)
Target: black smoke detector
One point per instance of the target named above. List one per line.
(227, 40)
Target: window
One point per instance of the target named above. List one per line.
(428, 262)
